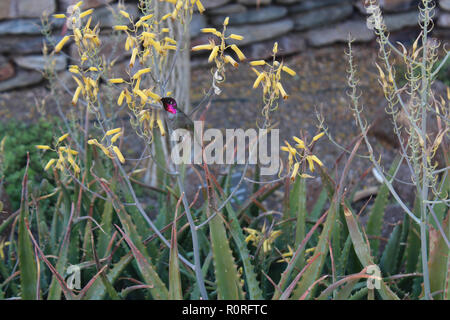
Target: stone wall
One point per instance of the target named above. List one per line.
(295, 24)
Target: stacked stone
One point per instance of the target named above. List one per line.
(295, 24)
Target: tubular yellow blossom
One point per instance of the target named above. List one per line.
(256, 71)
(166, 16)
(141, 94)
(112, 131)
(115, 137)
(133, 57)
(64, 136)
(78, 4)
(275, 48)
(49, 164)
(213, 54)
(300, 143)
(311, 159)
(174, 14)
(170, 40)
(79, 83)
(125, 14)
(121, 97)
(202, 47)
(208, 30)
(257, 63)
(160, 124)
(141, 72)
(295, 171)
(120, 28)
(226, 21)
(129, 43)
(153, 95)
(116, 80)
(86, 13)
(146, 34)
(238, 52)
(128, 96)
(43, 147)
(76, 96)
(315, 159)
(170, 47)
(119, 154)
(71, 151)
(155, 44)
(61, 44)
(77, 33)
(93, 141)
(236, 37)
(147, 17)
(152, 119)
(138, 83)
(258, 80)
(104, 149)
(283, 93)
(317, 137)
(59, 16)
(74, 69)
(382, 76)
(310, 163)
(231, 61)
(88, 24)
(93, 69)
(290, 149)
(289, 71)
(165, 30)
(391, 78)
(200, 6)
(75, 167)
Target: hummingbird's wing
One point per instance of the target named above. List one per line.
(181, 120)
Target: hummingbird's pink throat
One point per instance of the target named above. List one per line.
(170, 108)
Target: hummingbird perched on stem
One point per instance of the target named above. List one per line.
(177, 118)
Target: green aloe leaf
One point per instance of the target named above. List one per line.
(439, 262)
(390, 256)
(362, 250)
(98, 290)
(225, 269)
(134, 241)
(27, 259)
(254, 289)
(313, 272)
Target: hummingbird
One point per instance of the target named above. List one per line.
(177, 118)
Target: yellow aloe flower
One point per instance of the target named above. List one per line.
(64, 136)
(318, 136)
(118, 154)
(61, 44)
(285, 257)
(3, 244)
(300, 143)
